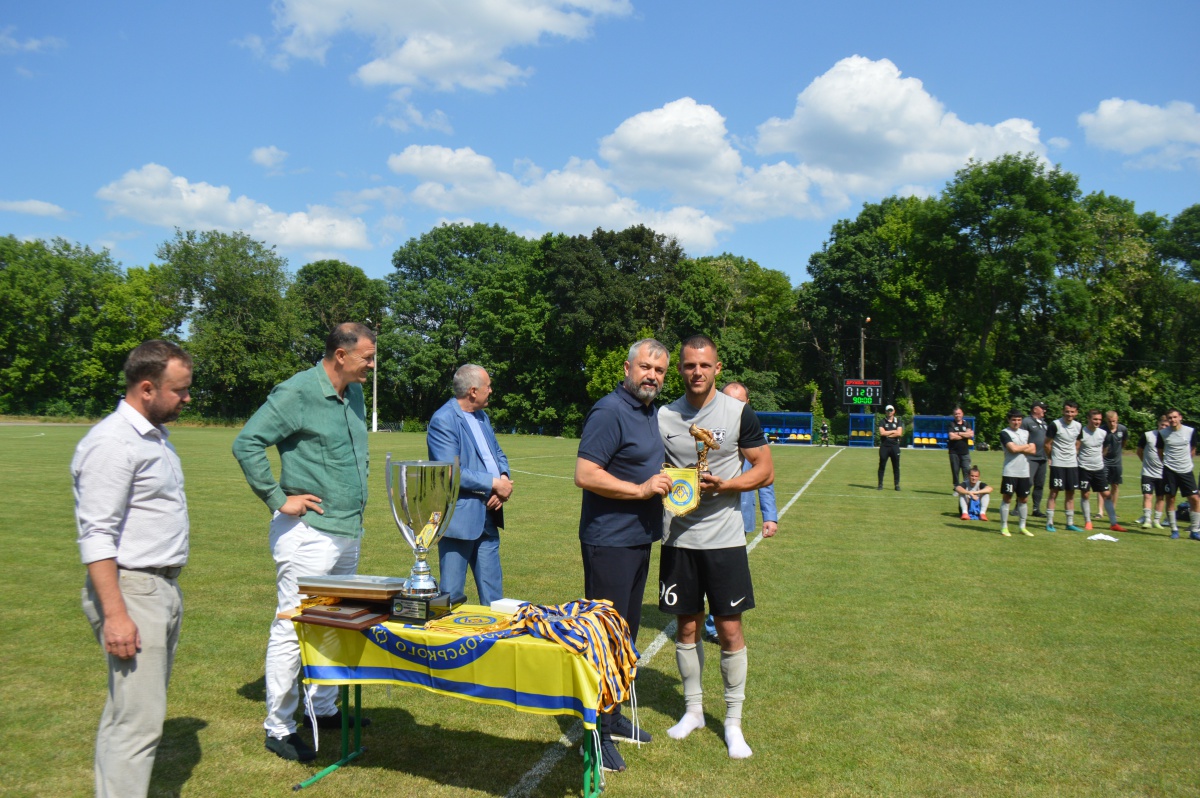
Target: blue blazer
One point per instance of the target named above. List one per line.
(447, 437)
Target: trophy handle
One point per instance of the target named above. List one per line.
(454, 480)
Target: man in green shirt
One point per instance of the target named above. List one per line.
(317, 422)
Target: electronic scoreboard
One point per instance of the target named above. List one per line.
(863, 392)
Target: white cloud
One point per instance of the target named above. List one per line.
(33, 208)
(433, 43)
(153, 195)
(1168, 135)
(682, 147)
(10, 45)
(268, 157)
(402, 115)
(575, 199)
(876, 129)
(859, 132)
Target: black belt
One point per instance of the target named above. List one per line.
(168, 571)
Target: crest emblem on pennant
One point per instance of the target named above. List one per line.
(684, 495)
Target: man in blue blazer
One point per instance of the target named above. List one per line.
(461, 429)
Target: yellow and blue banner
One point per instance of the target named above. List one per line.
(524, 673)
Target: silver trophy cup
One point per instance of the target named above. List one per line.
(422, 494)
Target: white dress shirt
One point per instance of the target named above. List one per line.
(129, 499)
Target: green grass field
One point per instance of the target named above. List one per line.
(895, 650)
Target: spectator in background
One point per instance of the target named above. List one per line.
(1114, 453)
(891, 430)
(1035, 425)
(960, 436)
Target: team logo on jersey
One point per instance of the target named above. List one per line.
(718, 436)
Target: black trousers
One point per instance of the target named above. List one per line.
(1037, 474)
(889, 453)
(960, 463)
(617, 573)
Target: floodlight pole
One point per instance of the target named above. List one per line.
(375, 383)
(862, 349)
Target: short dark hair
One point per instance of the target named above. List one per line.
(1015, 413)
(345, 336)
(1071, 403)
(975, 468)
(698, 342)
(1095, 412)
(149, 360)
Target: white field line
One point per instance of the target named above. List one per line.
(567, 742)
(534, 474)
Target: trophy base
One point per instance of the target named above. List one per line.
(421, 610)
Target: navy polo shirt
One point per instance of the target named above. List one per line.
(620, 435)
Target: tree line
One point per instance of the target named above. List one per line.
(1007, 287)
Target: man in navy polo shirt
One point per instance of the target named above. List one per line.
(619, 467)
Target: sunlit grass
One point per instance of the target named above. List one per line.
(894, 651)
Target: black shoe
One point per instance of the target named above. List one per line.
(621, 730)
(897, 487)
(291, 747)
(879, 486)
(709, 637)
(610, 758)
(333, 721)
(1038, 514)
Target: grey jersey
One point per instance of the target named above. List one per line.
(1015, 465)
(717, 522)
(1177, 448)
(1151, 465)
(1062, 453)
(1037, 436)
(1091, 448)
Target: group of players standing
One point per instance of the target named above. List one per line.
(1088, 458)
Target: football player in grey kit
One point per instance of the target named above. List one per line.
(1014, 478)
(1093, 474)
(704, 552)
(1176, 447)
(1062, 445)
(1153, 495)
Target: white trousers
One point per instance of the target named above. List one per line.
(298, 550)
(132, 721)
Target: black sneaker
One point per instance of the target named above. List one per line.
(333, 721)
(1038, 514)
(621, 730)
(897, 487)
(291, 747)
(879, 486)
(610, 758)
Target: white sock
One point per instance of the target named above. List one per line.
(1004, 514)
(690, 659)
(1087, 512)
(1022, 512)
(687, 724)
(1049, 516)
(1070, 518)
(736, 743)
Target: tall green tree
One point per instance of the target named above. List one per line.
(68, 318)
(457, 295)
(242, 331)
(326, 293)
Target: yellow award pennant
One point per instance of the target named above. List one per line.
(426, 536)
(684, 495)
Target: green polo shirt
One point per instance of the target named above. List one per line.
(322, 443)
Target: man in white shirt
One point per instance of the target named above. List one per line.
(132, 518)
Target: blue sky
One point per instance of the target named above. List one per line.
(342, 128)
